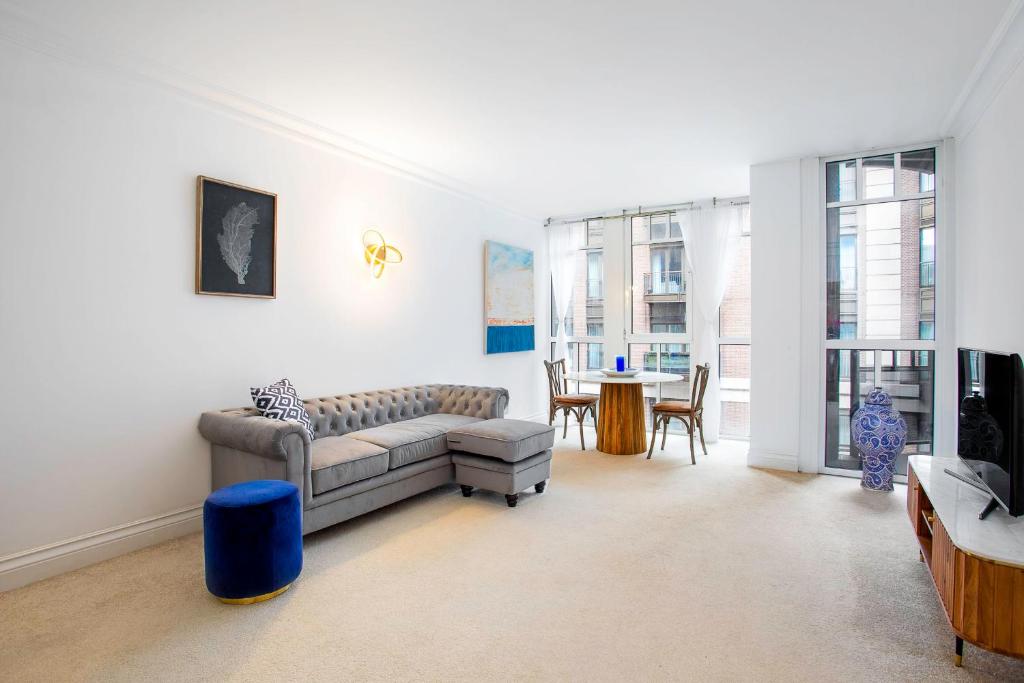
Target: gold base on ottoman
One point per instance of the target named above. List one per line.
(258, 598)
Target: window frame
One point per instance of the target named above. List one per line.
(943, 282)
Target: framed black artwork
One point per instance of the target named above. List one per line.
(236, 240)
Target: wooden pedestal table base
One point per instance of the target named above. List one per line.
(620, 423)
(620, 413)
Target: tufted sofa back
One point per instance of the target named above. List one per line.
(338, 415)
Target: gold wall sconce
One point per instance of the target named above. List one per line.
(378, 253)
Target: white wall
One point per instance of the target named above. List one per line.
(775, 341)
(111, 357)
(990, 225)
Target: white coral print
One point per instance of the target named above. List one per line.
(235, 239)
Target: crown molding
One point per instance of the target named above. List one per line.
(19, 28)
(1002, 55)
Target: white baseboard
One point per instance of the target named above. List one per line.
(772, 461)
(28, 566)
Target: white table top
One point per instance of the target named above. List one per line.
(641, 378)
(999, 537)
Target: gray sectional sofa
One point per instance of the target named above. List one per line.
(369, 449)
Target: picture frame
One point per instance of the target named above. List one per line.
(236, 240)
(508, 298)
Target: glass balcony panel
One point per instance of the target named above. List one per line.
(907, 376)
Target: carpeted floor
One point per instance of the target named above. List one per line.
(624, 568)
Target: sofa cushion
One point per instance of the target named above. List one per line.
(340, 460)
(445, 421)
(508, 440)
(407, 442)
(279, 401)
(495, 465)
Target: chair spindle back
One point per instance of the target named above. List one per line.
(699, 386)
(557, 383)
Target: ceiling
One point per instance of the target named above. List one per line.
(558, 106)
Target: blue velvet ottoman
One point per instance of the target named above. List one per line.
(252, 536)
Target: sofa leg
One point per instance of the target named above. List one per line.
(467, 491)
(511, 499)
(540, 486)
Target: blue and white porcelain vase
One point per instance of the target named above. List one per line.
(879, 432)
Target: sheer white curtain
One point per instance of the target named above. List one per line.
(711, 237)
(563, 245)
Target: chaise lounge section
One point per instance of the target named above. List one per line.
(369, 449)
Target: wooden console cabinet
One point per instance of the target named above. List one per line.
(977, 565)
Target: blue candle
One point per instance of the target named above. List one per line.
(620, 363)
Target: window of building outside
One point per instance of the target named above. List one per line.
(584, 322)
(734, 346)
(880, 295)
(658, 306)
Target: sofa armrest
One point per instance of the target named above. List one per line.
(241, 437)
(252, 433)
(482, 402)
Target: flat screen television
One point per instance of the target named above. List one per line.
(990, 434)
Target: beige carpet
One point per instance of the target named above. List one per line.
(624, 568)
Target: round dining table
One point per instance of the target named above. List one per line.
(620, 420)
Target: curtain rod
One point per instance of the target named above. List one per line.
(641, 211)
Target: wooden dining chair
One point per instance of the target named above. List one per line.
(690, 413)
(561, 400)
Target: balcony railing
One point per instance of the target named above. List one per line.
(595, 289)
(665, 282)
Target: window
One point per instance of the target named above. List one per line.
(850, 376)
(649, 305)
(847, 263)
(928, 257)
(734, 346)
(595, 276)
(585, 315)
(585, 320)
(659, 277)
(670, 358)
(879, 288)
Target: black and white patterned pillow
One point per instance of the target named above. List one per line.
(280, 402)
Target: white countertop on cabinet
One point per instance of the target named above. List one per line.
(998, 537)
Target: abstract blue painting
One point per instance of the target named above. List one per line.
(508, 298)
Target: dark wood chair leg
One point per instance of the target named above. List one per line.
(654, 435)
(700, 427)
(565, 427)
(511, 499)
(664, 430)
(540, 486)
(467, 491)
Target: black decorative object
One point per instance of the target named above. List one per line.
(980, 437)
(236, 240)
